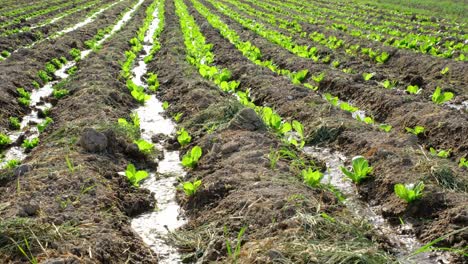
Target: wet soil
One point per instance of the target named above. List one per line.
(80, 214)
(396, 156)
(22, 66)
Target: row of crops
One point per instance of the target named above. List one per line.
(233, 131)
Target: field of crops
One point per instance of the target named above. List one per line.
(233, 131)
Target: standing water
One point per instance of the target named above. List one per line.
(154, 226)
(401, 240)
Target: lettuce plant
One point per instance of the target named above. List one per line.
(311, 177)
(144, 146)
(416, 130)
(360, 169)
(333, 100)
(439, 98)
(318, 78)
(382, 58)
(178, 116)
(4, 140)
(444, 70)
(413, 89)
(50, 68)
(299, 77)
(24, 97)
(153, 82)
(44, 76)
(442, 153)
(14, 123)
(190, 188)
(183, 137)
(409, 192)
(165, 105)
(385, 127)
(42, 126)
(134, 176)
(190, 159)
(60, 93)
(387, 84)
(35, 84)
(336, 64)
(76, 54)
(11, 164)
(463, 163)
(30, 143)
(367, 76)
(347, 107)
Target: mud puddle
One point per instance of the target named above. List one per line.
(28, 127)
(400, 238)
(153, 227)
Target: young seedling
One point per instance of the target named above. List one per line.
(333, 100)
(144, 146)
(413, 89)
(190, 159)
(360, 170)
(368, 76)
(387, 84)
(44, 76)
(183, 137)
(76, 54)
(178, 116)
(444, 70)
(318, 78)
(14, 123)
(24, 97)
(311, 177)
(347, 107)
(165, 105)
(134, 176)
(336, 64)
(153, 82)
(382, 58)
(11, 164)
(463, 162)
(416, 130)
(299, 77)
(4, 140)
(409, 192)
(30, 143)
(234, 255)
(36, 84)
(439, 98)
(385, 127)
(441, 154)
(274, 157)
(42, 126)
(190, 188)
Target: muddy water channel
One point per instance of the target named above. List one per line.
(400, 238)
(39, 100)
(154, 226)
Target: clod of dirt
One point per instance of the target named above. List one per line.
(93, 141)
(23, 169)
(247, 119)
(28, 209)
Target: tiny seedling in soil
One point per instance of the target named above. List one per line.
(311, 177)
(274, 157)
(318, 78)
(11, 164)
(44, 76)
(177, 117)
(416, 130)
(153, 83)
(333, 100)
(14, 123)
(387, 84)
(35, 84)
(165, 105)
(367, 76)
(441, 154)
(42, 126)
(347, 107)
(409, 192)
(76, 54)
(190, 159)
(183, 137)
(30, 143)
(360, 169)
(190, 188)
(382, 58)
(385, 127)
(444, 70)
(413, 89)
(134, 176)
(144, 146)
(4, 140)
(463, 163)
(24, 97)
(71, 167)
(439, 97)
